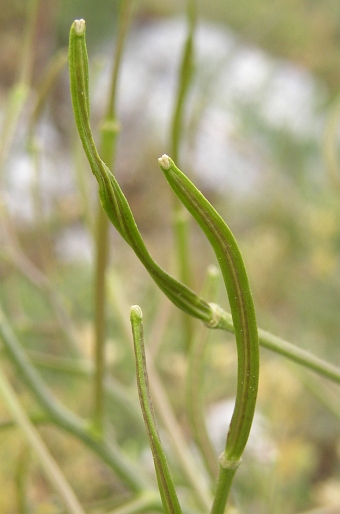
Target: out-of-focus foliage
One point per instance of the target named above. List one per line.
(288, 230)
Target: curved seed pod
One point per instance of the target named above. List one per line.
(241, 304)
(112, 198)
(166, 487)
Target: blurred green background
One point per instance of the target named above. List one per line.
(288, 230)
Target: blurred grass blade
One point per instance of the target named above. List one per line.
(180, 215)
(52, 471)
(165, 484)
(195, 382)
(63, 417)
(109, 128)
(242, 309)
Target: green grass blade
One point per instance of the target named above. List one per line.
(52, 470)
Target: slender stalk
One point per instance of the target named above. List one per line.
(180, 217)
(194, 385)
(298, 355)
(109, 132)
(166, 487)
(53, 70)
(185, 79)
(225, 479)
(52, 470)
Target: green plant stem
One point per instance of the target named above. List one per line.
(195, 381)
(180, 216)
(52, 471)
(43, 243)
(324, 394)
(65, 419)
(225, 479)
(298, 355)
(185, 78)
(109, 132)
(223, 320)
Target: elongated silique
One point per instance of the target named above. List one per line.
(112, 198)
(244, 320)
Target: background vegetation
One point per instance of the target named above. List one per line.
(288, 230)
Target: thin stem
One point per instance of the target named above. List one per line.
(195, 382)
(52, 470)
(180, 217)
(185, 78)
(109, 133)
(224, 482)
(298, 355)
(54, 68)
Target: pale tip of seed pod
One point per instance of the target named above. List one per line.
(164, 162)
(136, 313)
(79, 27)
